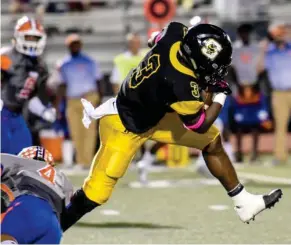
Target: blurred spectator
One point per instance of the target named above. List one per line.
(80, 77)
(276, 59)
(20, 6)
(79, 5)
(249, 106)
(54, 6)
(126, 61)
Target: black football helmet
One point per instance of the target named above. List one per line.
(207, 48)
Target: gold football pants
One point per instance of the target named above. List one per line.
(119, 146)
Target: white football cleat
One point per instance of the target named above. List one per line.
(248, 205)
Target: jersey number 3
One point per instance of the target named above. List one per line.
(142, 73)
(48, 173)
(195, 89)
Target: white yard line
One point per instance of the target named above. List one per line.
(218, 207)
(110, 212)
(265, 178)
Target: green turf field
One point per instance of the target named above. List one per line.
(176, 209)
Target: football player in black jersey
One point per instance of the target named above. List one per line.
(23, 77)
(161, 100)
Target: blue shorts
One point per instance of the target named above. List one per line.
(31, 220)
(15, 134)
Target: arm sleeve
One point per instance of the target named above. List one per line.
(36, 106)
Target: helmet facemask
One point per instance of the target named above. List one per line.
(205, 76)
(31, 45)
(29, 37)
(214, 75)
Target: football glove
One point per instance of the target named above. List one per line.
(219, 87)
(49, 115)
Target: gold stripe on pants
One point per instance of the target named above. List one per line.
(281, 103)
(83, 139)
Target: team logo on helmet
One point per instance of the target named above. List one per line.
(211, 48)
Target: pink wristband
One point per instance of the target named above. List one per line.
(197, 124)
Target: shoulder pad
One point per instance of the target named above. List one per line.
(177, 28)
(173, 31)
(6, 58)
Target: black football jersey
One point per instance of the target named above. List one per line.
(21, 78)
(161, 83)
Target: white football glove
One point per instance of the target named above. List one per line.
(90, 113)
(50, 115)
(87, 112)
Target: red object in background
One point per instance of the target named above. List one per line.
(246, 57)
(159, 11)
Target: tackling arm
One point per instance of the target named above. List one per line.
(203, 120)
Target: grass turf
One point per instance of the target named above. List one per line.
(181, 214)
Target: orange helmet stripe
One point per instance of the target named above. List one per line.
(25, 26)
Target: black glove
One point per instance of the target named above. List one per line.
(219, 87)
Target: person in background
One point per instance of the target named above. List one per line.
(23, 83)
(20, 6)
(126, 61)
(61, 123)
(275, 57)
(80, 78)
(249, 105)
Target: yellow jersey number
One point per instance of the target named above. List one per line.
(195, 89)
(142, 73)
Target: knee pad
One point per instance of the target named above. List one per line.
(98, 188)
